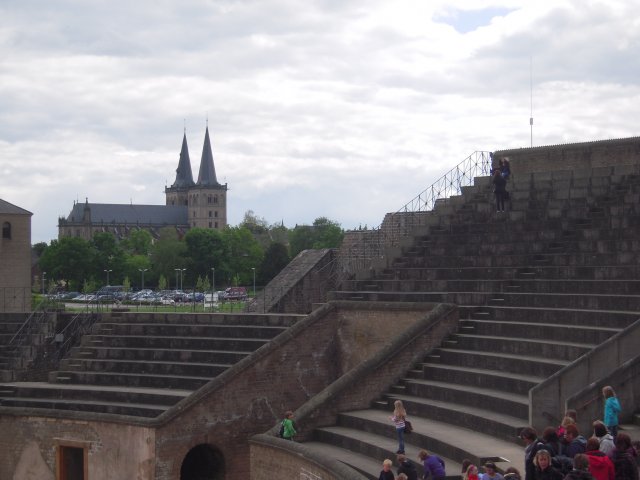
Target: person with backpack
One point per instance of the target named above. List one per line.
(406, 467)
(287, 429)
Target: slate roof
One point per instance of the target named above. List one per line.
(130, 214)
(184, 177)
(10, 208)
(207, 175)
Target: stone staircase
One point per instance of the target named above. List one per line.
(143, 364)
(538, 286)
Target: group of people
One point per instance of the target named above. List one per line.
(560, 454)
(500, 176)
(433, 465)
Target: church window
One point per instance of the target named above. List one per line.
(194, 214)
(209, 224)
(215, 199)
(209, 215)
(209, 199)
(6, 230)
(216, 214)
(216, 224)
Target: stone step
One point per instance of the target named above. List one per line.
(227, 319)
(446, 439)
(579, 317)
(517, 405)
(364, 451)
(568, 351)
(116, 408)
(519, 384)
(521, 285)
(189, 369)
(129, 379)
(79, 393)
(149, 341)
(187, 330)
(158, 354)
(595, 272)
(538, 330)
(536, 366)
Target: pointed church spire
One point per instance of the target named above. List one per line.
(207, 175)
(184, 177)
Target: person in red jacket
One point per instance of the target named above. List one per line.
(600, 466)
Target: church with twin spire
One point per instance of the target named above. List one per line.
(188, 204)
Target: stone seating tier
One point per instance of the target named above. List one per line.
(537, 286)
(142, 365)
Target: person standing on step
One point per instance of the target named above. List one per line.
(611, 410)
(532, 444)
(386, 473)
(499, 189)
(398, 418)
(289, 429)
(433, 466)
(406, 467)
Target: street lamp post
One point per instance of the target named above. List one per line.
(181, 270)
(254, 281)
(213, 284)
(142, 270)
(44, 274)
(108, 270)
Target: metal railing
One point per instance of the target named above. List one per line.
(357, 255)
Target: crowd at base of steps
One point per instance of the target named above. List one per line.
(560, 453)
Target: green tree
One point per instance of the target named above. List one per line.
(39, 248)
(162, 283)
(253, 223)
(109, 256)
(132, 266)
(167, 254)
(275, 259)
(206, 249)
(245, 254)
(324, 233)
(69, 259)
(139, 242)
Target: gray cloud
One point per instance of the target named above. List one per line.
(345, 109)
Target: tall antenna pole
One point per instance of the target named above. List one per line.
(531, 85)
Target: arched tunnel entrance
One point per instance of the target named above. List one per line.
(203, 462)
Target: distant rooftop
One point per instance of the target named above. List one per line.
(10, 208)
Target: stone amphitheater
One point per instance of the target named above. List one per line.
(480, 322)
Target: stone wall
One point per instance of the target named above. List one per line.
(15, 263)
(28, 446)
(253, 395)
(356, 389)
(572, 156)
(247, 399)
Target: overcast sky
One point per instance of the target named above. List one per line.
(338, 108)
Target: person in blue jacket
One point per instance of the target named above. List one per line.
(611, 410)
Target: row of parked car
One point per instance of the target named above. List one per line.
(111, 294)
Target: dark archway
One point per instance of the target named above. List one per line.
(203, 462)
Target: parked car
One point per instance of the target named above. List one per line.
(235, 293)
